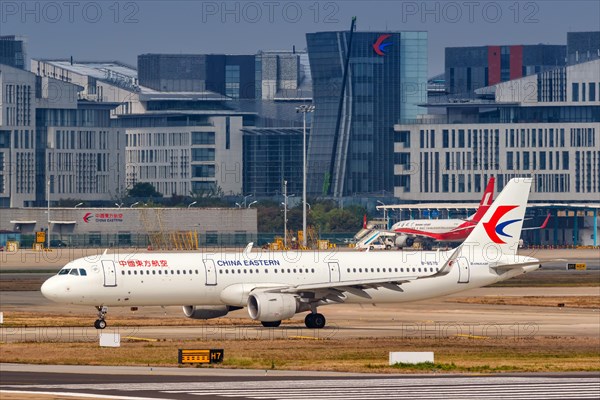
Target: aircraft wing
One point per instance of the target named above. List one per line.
(334, 291)
(357, 287)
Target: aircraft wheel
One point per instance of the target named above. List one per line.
(270, 324)
(319, 321)
(309, 320)
(100, 324)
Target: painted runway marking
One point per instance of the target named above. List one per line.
(374, 389)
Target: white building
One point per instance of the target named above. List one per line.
(48, 135)
(180, 142)
(539, 126)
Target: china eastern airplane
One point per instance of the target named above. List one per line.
(277, 285)
(442, 230)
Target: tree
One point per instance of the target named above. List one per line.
(143, 189)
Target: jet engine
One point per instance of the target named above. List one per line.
(269, 307)
(404, 241)
(207, 312)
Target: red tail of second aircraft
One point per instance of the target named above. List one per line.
(486, 200)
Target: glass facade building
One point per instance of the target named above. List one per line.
(386, 80)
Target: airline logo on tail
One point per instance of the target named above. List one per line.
(493, 228)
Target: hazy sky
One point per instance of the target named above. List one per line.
(120, 30)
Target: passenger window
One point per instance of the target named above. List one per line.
(122, 272)
(153, 272)
(128, 272)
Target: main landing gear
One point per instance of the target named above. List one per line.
(100, 323)
(314, 320)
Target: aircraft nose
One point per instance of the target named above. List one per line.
(52, 289)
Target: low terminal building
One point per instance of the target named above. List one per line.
(133, 227)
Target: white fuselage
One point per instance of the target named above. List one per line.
(163, 279)
(430, 225)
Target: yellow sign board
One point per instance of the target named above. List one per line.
(40, 237)
(200, 356)
(577, 267)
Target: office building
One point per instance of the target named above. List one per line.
(582, 46)
(386, 80)
(13, 51)
(50, 140)
(180, 142)
(471, 68)
(546, 125)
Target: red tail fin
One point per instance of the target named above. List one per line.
(486, 200)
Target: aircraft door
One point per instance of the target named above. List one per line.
(334, 272)
(463, 270)
(211, 272)
(110, 273)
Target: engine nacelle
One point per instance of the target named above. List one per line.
(268, 307)
(402, 241)
(205, 312)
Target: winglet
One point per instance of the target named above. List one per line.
(248, 248)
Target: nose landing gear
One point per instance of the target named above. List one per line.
(100, 323)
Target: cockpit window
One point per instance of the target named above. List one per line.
(73, 271)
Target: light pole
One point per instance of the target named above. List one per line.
(304, 109)
(384, 214)
(80, 204)
(254, 202)
(285, 208)
(192, 203)
(238, 205)
(118, 205)
(245, 197)
(134, 204)
(48, 233)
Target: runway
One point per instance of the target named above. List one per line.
(440, 317)
(254, 384)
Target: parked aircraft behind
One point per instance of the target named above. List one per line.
(443, 230)
(277, 285)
